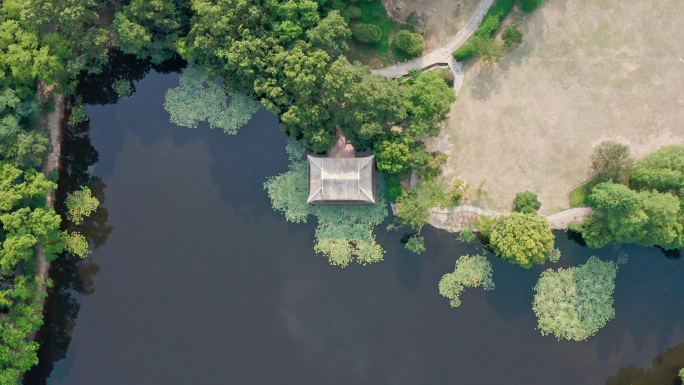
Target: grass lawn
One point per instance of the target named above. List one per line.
(579, 195)
(381, 54)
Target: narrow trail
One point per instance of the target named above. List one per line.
(51, 121)
(442, 55)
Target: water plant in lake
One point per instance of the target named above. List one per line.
(471, 271)
(576, 302)
(199, 98)
(344, 232)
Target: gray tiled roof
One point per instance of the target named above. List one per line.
(343, 180)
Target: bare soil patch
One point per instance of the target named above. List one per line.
(587, 71)
(441, 18)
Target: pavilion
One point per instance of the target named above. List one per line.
(341, 180)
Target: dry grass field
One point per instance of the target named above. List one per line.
(587, 71)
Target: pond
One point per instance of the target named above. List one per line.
(197, 280)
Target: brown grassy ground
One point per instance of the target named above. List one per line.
(587, 71)
(443, 18)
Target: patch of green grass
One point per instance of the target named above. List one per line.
(382, 53)
(579, 195)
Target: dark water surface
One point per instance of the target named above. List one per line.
(201, 282)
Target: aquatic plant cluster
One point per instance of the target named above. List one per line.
(471, 271)
(199, 98)
(576, 302)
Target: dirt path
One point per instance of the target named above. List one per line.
(441, 55)
(52, 123)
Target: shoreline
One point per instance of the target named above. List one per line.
(455, 219)
(52, 122)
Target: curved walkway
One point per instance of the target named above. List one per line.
(457, 218)
(441, 55)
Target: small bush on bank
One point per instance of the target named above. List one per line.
(367, 33)
(409, 42)
(511, 36)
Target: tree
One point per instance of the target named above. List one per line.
(427, 101)
(330, 34)
(526, 202)
(19, 144)
(79, 41)
(399, 153)
(611, 161)
(198, 98)
(511, 36)
(577, 302)
(649, 218)
(364, 105)
(662, 170)
(22, 59)
(471, 271)
(77, 244)
(522, 239)
(367, 33)
(80, 204)
(150, 28)
(408, 42)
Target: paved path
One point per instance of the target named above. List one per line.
(441, 55)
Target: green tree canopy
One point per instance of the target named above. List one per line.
(523, 239)
(577, 302)
(428, 100)
(80, 204)
(399, 153)
(649, 218)
(662, 170)
(471, 271)
(150, 28)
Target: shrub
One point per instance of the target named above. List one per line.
(467, 236)
(511, 36)
(575, 303)
(526, 202)
(367, 33)
(412, 18)
(529, 5)
(416, 244)
(409, 42)
(394, 189)
(490, 23)
(353, 12)
(471, 271)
